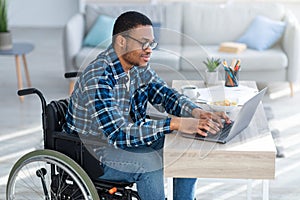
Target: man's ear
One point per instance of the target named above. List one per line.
(121, 41)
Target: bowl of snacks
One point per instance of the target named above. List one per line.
(226, 105)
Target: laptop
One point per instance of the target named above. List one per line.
(231, 130)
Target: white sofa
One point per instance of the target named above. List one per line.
(190, 32)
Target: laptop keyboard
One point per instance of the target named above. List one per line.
(225, 131)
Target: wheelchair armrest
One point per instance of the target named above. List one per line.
(86, 140)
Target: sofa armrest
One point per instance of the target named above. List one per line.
(291, 45)
(73, 35)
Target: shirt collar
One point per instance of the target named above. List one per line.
(115, 63)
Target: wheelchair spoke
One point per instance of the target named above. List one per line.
(28, 180)
(41, 175)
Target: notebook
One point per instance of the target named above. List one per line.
(231, 130)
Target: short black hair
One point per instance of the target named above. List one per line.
(129, 20)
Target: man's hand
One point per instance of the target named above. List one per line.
(202, 122)
(215, 116)
(192, 125)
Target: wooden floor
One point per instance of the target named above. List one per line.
(21, 122)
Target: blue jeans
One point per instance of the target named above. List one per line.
(144, 166)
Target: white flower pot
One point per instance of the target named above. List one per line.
(211, 78)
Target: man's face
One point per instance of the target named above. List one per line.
(134, 53)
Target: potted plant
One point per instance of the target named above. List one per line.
(211, 74)
(5, 35)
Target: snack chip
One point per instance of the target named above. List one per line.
(225, 102)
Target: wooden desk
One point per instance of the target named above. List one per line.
(250, 155)
(20, 49)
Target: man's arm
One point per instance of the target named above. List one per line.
(173, 102)
(116, 128)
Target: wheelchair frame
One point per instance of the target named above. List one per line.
(65, 168)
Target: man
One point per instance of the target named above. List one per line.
(110, 100)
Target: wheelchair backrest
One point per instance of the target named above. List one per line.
(56, 114)
(71, 145)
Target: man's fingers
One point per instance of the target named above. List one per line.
(216, 116)
(224, 116)
(202, 132)
(218, 120)
(210, 126)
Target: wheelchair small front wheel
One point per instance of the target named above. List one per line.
(48, 174)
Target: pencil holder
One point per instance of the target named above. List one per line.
(231, 78)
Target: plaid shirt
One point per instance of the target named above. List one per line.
(112, 103)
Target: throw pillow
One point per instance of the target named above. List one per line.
(101, 32)
(262, 33)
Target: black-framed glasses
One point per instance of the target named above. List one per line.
(145, 45)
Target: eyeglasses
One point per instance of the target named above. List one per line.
(145, 45)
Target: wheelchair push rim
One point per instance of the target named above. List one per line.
(48, 174)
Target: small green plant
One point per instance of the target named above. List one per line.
(212, 64)
(3, 16)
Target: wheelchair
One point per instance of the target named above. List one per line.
(66, 168)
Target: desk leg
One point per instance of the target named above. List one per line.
(249, 189)
(26, 71)
(265, 189)
(170, 189)
(19, 75)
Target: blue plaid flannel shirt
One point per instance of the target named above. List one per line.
(108, 102)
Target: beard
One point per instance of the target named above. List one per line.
(130, 58)
(134, 58)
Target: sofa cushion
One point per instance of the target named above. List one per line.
(156, 31)
(101, 32)
(171, 28)
(262, 33)
(251, 60)
(192, 58)
(216, 23)
(166, 58)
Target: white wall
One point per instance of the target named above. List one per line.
(55, 13)
(41, 13)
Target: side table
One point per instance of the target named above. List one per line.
(20, 49)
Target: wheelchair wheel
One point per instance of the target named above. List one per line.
(48, 174)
